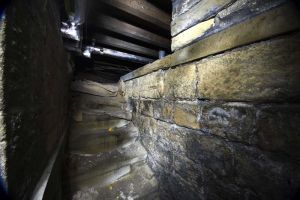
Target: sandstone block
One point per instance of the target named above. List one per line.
(186, 114)
(199, 12)
(181, 82)
(146, 107)
(191, 34)
(150, 86)
(266, 71)
(163, 110)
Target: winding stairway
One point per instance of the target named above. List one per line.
(105, 159)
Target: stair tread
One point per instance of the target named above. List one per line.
(88, 115)
(89, 143)
(104, 162)
(138, 184)
(94, 88)
(94, 127)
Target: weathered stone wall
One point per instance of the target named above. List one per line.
(220, 116)
(34, 90)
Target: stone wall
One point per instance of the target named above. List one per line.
(220, 116)
(34, 91)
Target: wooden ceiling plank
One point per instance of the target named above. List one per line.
(123, 28)
(124, 45)
(142, 10)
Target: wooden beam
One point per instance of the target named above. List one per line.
(123, 28)
(143, 10)
(121, 44)
(89, 50)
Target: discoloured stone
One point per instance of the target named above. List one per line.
(146, 107)
(182, 6)
(186, 115)
(163, 110)
(205, 9)
(180, 82)
(268, 177)
(151, 86)
(266, 71)
(189, 35)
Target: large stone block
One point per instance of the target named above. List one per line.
(205, 9)
(151, 85)
(191, 34)
(265, 71)
(239, 11)
(180, 83)
(163, 110)
(186, 114)
(146, 107)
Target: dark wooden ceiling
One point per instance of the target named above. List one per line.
(136, 27)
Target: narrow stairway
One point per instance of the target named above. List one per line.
(105, 159)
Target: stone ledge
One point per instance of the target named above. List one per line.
(256, 72)
(203, 10)
(268, 24)
(239, 11)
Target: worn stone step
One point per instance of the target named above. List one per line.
(97, 179)
(92, 101)
(95, 143)
(84, 166)
(113, 126)
(140, 183)
(85, 114)
(81, 128)
(94, 88)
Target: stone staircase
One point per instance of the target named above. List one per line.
(105, 159)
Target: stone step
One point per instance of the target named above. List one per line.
(139, 183)
(85, 166)
(94, 88)
(92, 100)
(94, 127)
(106, 140)
(85, 114)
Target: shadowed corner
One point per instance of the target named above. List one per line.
(3, 5)
(3, 191)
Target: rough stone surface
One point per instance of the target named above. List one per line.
(191, 34)
(182, 6)
(229, 128)
(183, 87)
(211, 167)
(266, 71)
(35, 88)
